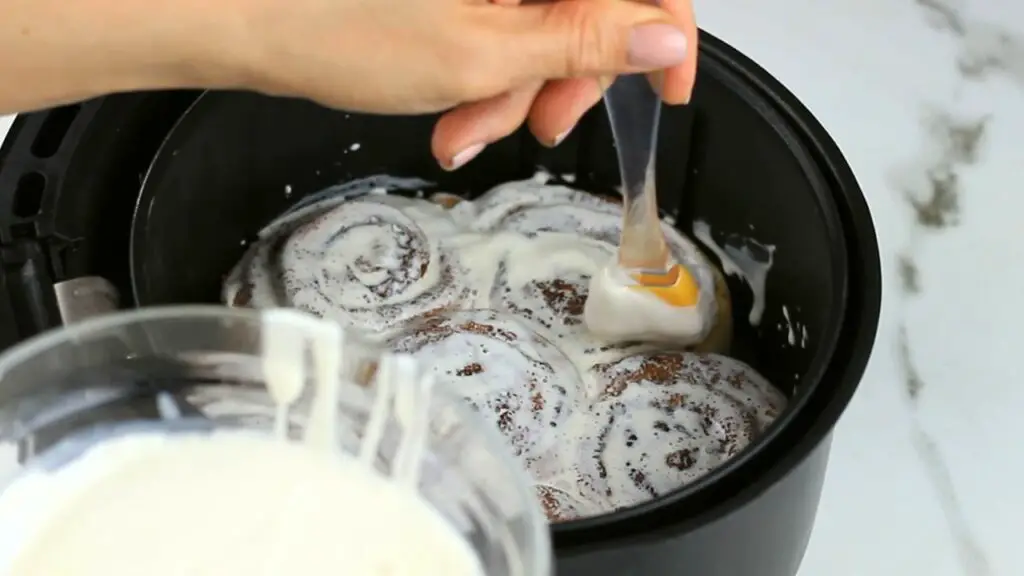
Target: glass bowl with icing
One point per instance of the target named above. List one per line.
(165, 377)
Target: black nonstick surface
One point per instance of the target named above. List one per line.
(744, 156)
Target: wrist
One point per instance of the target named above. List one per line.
(173, 44)
(53, 52)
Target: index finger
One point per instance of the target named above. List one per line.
(677, 82)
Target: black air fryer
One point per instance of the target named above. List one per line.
(157, 192)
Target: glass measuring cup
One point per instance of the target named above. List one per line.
(200, 368)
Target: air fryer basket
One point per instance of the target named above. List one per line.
(745, 156)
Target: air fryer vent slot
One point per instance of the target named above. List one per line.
(28, 196)
(54, 129)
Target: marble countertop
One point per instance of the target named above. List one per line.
(925, 98)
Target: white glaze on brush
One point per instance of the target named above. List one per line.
(502, 322)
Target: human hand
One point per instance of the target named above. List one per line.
(553, 107)
(496, 63)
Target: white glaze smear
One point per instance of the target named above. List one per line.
(491, 292)
(619, 310)
(234, 503)
(742, 262)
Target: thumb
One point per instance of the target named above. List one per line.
(574, 38)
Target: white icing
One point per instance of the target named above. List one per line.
(462, 349)
(236, 503)
(229, 503)
(670, 430)
(619, 310)
(740, 261)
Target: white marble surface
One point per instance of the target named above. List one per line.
(927, 473)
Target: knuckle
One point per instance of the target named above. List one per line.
(471, 83)
(591, 45)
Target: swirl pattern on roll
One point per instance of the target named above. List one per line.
(535, 207)
(575, 232)
(509, 373)
(371, 262)
(666, 419)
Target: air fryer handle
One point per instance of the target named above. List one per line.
(31, 304)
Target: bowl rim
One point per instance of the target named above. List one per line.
(537, 547)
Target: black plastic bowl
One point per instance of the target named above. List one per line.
(745, 156)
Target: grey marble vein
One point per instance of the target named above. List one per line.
(970, 553)
(930, 184)
(956, 144)
(912, 381)
(973, 560)
(986, 48)
(933, 191)
(909, 282)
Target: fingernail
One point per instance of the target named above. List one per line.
(656, 46)
(561, 137)
(460, 159)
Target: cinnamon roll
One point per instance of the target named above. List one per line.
(371, 262)
(546, 282)
(667, 419)
(560, 220)
(506, 371)
(561, 505)
(532, 206)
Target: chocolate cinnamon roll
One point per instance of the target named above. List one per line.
(532, 206)
(561, 505)
(667, 419)
(561, 221)
(506, 371)
(546, 282)
(371, 262)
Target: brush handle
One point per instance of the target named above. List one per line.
(634, 110)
